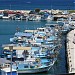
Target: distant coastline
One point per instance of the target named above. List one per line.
(36, 8)
(34, 15)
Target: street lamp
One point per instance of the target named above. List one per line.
(11, 49)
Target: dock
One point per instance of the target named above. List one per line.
(71, 51)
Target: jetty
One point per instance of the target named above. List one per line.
(71, 51)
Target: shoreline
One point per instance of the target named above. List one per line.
(53, 11)
(49, 10)
(36, 14)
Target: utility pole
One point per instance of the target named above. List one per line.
(11, 49)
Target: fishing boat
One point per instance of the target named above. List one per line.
(49, 18)
(6, 71)
(31, 64)
(35, 49)
(34, 65)
(71, 21)
(66, 28)
(20, 37)
(61, 20)
(5, 67)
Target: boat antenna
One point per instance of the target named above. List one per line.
(51, 7)
(10, 7)
(17, 29)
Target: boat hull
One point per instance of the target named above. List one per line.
(38, 70)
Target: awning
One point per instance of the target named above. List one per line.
(51, 38)
(30, 31)
(18, 48)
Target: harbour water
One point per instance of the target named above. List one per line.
(32, 4)
(8, 28)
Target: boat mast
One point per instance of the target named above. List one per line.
(17, 29)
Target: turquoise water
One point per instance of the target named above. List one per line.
(7, 30)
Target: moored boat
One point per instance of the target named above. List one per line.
(35, 49)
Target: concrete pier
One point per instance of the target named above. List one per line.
(71, 51)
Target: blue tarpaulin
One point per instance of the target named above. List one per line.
(13, 73)
(51, 38)
(23, 34)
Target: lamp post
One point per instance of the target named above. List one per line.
(11, 49)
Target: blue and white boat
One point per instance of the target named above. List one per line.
(5, 67)
(35, 49)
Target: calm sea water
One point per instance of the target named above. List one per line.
(7, 30)
(32, 4)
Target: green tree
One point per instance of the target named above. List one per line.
(37, 10)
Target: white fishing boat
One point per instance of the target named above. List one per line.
(37, 18)
(65, 28)
(49, 18)
(6, 69)
(36, 48)
(31, 64)
(61, 20)
(42, 68)
(21, 36)
(71, 21)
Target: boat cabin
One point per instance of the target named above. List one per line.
(5, 67)
(6, 71)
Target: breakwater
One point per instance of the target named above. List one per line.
(71, 51)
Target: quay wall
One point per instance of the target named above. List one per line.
(71, 51)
